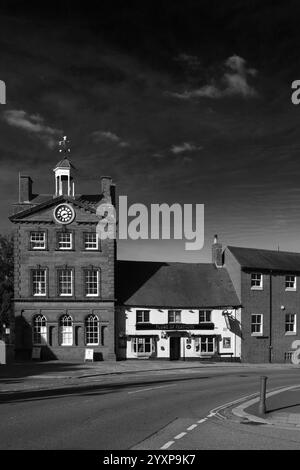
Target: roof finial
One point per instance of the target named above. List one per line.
(64, 145)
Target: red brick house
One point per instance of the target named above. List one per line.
(64, 275)
(268, 286)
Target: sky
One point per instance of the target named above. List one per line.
(179, 102)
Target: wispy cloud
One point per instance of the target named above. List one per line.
(100, 136)
(233, 82)
(185, 147)
(34, 124)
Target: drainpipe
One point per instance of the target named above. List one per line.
(270, 321)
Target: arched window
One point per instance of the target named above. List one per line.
(66, 330)
(92, 330)
(39, 330)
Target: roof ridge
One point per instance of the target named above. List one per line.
(263, 249)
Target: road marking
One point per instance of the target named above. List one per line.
(150, 388)
(179, 436)
(192, 427)
(167, 445)
(201, 420)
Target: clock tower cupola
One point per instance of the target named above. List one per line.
(64, 172)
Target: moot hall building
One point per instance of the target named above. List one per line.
(72, 294)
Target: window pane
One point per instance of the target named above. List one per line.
(39, 330)
(37, 240)
(39, 282)
(91, 241)
(92, 330)
(65, 282)
(64, 241)
(66, 330)
(92, 282)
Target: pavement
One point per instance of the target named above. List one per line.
(282, 408)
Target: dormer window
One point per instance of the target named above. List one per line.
(37, 240)
(256, 281)
(290, 282)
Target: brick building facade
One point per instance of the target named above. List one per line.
(268, 286)
(63, 274)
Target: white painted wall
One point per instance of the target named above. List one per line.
(160, 316)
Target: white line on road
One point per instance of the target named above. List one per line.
(201, 420)
(179, 436)
(151, 388)
(167, 445)
(192, 427)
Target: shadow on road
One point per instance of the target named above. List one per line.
(83, 390)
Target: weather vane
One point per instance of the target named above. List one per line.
(64, 145)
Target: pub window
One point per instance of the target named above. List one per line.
(204, 316)
(39, 282)
(66, 330)
(256, 281)
(290, 282)
(92, 330)
(39, 330)
(65, 282)
(65, 240)
(226, 343)
(205, 344)
(91, 241)
(174, 316)
(290, 323)
(143, 316)
(142, 345)
(37, 240)
(92, 282)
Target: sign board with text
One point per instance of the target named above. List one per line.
(89, 355)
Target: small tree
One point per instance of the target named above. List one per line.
(6, 281)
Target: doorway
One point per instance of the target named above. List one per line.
(174, 348)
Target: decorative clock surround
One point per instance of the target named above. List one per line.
(64, 214)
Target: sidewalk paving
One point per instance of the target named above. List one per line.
(282, 409)
(24, 376)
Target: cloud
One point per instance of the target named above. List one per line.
(33, 123)
(100, 136)
(234, 82)
(184, 147)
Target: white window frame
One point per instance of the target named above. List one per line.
(63, 244)
(288, 281)
(205, 340)
(92, 330)
(86, 280)
(41, 281)
(142, 313)
(42, 241)
(89, 245)
(60, 293)
(206, 314)
(66, 331)
(261, 283)
(261, 324)
(39, 330)
(288, 322)
(140, 342)
(175, 313)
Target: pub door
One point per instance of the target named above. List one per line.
(174, 348)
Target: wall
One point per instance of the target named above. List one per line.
(126, 325)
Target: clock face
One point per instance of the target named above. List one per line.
(64, 214)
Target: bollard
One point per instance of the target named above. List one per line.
(262, 401)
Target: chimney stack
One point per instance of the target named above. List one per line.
(106, 182)
(217, 255)
(25, 188)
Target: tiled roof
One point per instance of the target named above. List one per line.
(185, 285)
(254, 258)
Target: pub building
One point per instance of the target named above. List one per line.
(176, 311)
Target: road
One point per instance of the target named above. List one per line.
(151, 410)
